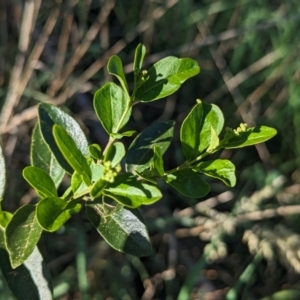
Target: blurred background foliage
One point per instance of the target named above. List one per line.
(240, 243)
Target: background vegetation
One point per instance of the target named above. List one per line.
(240, 243)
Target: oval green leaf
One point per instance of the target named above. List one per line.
(50, 115)
(252, 136)
(140, 154)
(222, 169)
(22, 234)
(41, 157)
(53, 212)
(115, 154)
(196, 129)
(165, 77)
(139, 56)
(71, 153)
(40, 181)
(123, 229)
(188, 183)
(32, 279)
(2, 174)
(115, 67)
(129, 191)
(112, 106)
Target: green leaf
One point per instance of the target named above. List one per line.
(123, 229)
(32, 279)
(222, 169)
(158, 163)
(115, 67)
(125, 133)
(53, 212)
(139, 56)
(251, 136)
(140, 154)
(98, 188)
(40, 181)
(41, 157)
(2, 175)
(188, 183)
(77, 183)
(71, 153)
(95, 151)
(129, 191)
(115, 154)
(196, 129)
(112, 106)
(97, 171)
(50, 115)
(22, 234)
(214, 141)
(190, 132)
(165, 77)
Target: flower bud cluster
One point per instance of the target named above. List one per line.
(241, 128)
(109, 172)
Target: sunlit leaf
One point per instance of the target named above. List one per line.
(41, 157)
(115, 67)
(22, 234)
(129, 191)
(165, 77)
(222, 169)
(40, 181)
(123, 229)
(53, 212)
(111, 105)
(115, 154)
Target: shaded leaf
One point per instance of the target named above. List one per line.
(40, 181)
(115, 154)
(140, 154)
(115, 67)
(111, 105)
(32, 279)
(2, 174)
(41, 157)
(22, 234)
(123, 229)
(165, 77)
(98, 188)
(158, 163)
(71, 153)
(50, 115)
(252, 136)
(95, 151)
(129, 191)
(53, 212)
(222, 169)
(188, 183)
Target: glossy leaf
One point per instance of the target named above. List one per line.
(222, 169)
(72, 155)
(196, 129)
(190, 132)
(2, 174)
(22, 234)
(40, 181)
(115, 154)
(129, 191)
(111, 105)
(115, 67)
(98, 188)
(53, 212)
(123, 229)
(50, 115)
(41, 157)
(252, 136)
(188, 183)
(140, 154)
(32, 279)
(95, 151)
(214, 141)
(165, 77)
